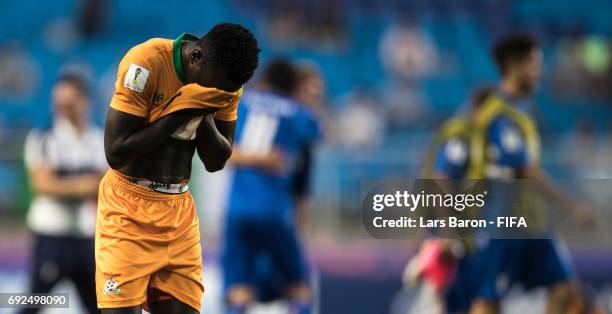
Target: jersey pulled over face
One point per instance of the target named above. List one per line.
(151, 84)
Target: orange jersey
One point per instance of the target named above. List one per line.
(151, 84)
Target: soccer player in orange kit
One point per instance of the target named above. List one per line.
(172, 97)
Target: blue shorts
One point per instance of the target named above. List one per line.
(491, 271)
(463, 289)
(264, 253)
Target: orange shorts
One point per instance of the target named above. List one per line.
(147, 246)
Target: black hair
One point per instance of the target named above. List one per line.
(512, 49)
(232, 49)
(76, 81)
(281, 76)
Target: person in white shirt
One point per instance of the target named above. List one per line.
(65, 164)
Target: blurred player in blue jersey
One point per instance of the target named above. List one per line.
(262, 255)
(446, 267)
(500, 141)
(507, 147)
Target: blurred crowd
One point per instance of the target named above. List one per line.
(396, 69)
(390, 71)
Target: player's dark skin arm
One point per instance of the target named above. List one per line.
(214, 142)
(148, 150)
(126, 138)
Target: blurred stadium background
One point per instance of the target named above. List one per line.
(395, 69)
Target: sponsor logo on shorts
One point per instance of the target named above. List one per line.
(111, 286)
(157, 186)
(168, 188)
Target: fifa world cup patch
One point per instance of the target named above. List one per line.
(136, 78)
(111, 286)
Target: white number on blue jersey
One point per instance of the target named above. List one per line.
(259, 132)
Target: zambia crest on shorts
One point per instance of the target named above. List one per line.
(111, 286)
